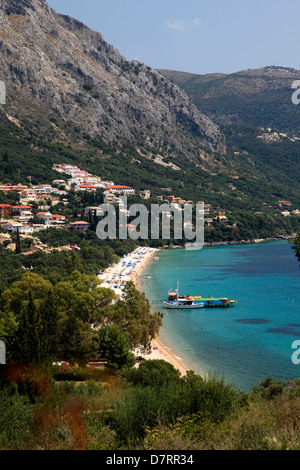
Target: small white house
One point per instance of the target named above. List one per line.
(44, 215)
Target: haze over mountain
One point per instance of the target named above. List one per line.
(57, 68)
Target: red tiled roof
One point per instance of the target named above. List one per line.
(80, 223)
(118, 187)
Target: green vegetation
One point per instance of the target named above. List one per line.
(245, 226)
(279, 161)
(58, 323)
(296, 245)
(257, 177)
(117, 407)
(116, 347)
(241, 104)
(91, 256)
(42, 323)
(53, 398)
(71, 408)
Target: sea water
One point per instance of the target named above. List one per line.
(244, 344)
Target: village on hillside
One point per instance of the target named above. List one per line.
(40, 207)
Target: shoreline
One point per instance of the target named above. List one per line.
(161, 352)
(158, 350)
(130, 268)
(251, 241)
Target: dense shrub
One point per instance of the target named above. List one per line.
(152, 373)
(145, 406)
(16, 421)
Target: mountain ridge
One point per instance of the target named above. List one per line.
(260, 97)
(59, 69)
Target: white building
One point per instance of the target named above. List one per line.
(12, 226)
(118, 189)
(44, 215)
(25, 216)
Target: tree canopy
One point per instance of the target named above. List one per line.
(41, 322)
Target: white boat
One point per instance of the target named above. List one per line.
(183, 304)
(177, 302)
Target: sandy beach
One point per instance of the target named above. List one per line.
(128, 269)
(159, 351)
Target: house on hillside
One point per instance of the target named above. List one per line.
(10, 188)
(222, 219)
(284, 203)
(111, 198)
(175, 200)
(12, 226)
(58, 218)
(22, 208)
(90, 188)
(80, 225)
(94, 210)
(25, 216)
(59, 184)
(220, 211)
(44, 215)
(5, 210)
(119, 189)
(208, 208)
(29, 194)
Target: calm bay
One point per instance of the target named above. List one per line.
(244, 344)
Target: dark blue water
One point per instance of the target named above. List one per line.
(245, 343)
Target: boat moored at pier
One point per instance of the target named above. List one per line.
(197, 301)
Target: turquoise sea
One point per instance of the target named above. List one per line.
(243, 344)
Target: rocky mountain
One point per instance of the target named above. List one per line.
(62, 77)
(259, 97)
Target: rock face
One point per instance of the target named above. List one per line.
(57, 69)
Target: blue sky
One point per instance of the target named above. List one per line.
(198, 36)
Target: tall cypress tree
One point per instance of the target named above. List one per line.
(95, 221)
(71, 335)
(28, 350)
(18, 243)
